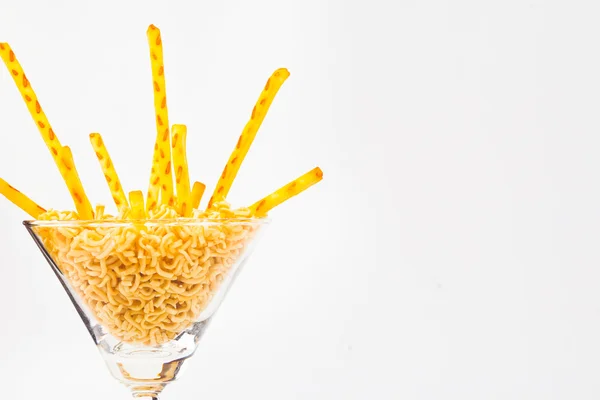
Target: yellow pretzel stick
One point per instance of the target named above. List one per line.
(71, 178)
(154, 187)
(197, 192)
(162, 150)
(136, 198)
(31, 100)
(20, 200)
(182, 176)
(262, 207)
(110, 174)
(248, 134)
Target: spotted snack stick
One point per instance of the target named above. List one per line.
(161, 177)
(182, 176)
(71, 178)
(136, 199)
(248, 134)
(197, 192)
(297, 186)
(31, 100)
(20, 200)
(110, 173)
(169, 157)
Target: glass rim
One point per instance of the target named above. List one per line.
(171, 222)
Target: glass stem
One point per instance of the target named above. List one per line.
(145, 395)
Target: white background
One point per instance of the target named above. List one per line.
(451, 251)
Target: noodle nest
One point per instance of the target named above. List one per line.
(146, 284)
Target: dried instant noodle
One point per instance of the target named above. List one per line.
(146, 284)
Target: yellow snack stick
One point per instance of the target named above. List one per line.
(262, 207)
(136, 199)
(248, 134)
(161, 178)
(20, 200)
(110, 173)
(153, 195)
(197, 192)
(31, 100)
(99, 211)
(71, 178)
(182, 176)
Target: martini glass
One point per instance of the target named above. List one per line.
(146, 290)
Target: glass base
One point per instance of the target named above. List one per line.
(146, 370)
